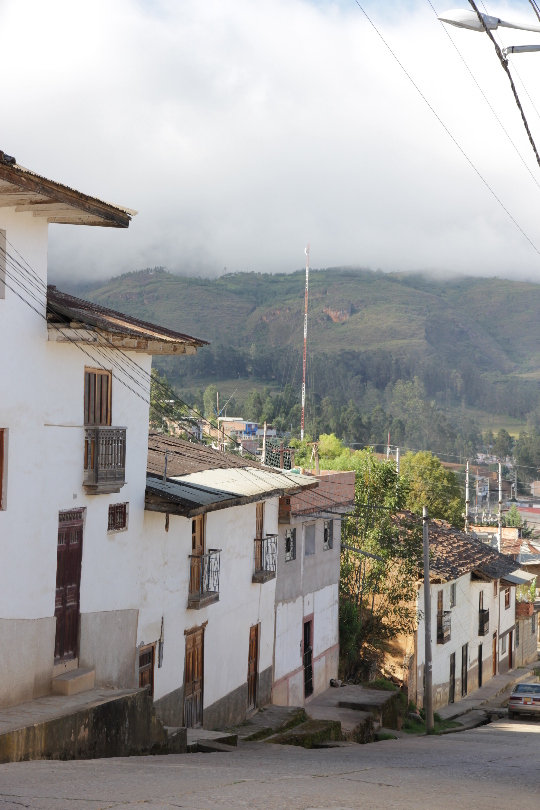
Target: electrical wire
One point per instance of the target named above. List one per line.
(439, 119)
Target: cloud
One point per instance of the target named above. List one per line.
(242, 130)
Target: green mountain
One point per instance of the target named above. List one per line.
(473, 344)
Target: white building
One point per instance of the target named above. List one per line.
(472, 617)
(306, 648)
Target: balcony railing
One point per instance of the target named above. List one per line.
(204, 578)
(265, 558)
(104, 459)
(483, 622)
(444, 622)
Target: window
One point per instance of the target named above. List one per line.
(481, 600)
(118, 513)
(97, 397)
(453, 595)
(533, 624)
(503, 645)
(506, 598)
(517, 634)
(310, 539)
(3, 460)
(494, 587)
(2, 264)
(328, 542)
(290, 544)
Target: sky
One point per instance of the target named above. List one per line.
(242, 130)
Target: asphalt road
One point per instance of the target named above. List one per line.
(492, 766)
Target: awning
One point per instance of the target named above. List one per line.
(519, 577)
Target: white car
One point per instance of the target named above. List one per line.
(525, 699)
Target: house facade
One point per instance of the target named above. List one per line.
(473, 618)
(306, 646)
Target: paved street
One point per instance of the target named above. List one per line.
(492, 766)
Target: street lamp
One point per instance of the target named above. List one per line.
(469, 19)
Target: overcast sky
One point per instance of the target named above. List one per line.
(240, 130)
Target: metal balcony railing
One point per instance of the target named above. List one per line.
(265, 558)
(104, 459)
(204, 578)
(444, 623)
(483, 622)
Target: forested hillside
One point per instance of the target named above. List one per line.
(400, 351)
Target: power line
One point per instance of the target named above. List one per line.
(467, 158)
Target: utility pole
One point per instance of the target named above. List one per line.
(428, 665)
(515, 481)
(467, 497)
(499, 530)
(305, 349)
(388, 446)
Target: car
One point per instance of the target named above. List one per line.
(525, 699)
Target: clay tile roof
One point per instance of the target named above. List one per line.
(66, 309)
(454, 553)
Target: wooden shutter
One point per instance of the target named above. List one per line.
(97, 397)
(259, 521)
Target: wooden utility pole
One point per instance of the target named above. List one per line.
(467, 502)
(428, 665)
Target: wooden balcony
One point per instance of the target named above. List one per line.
(265, 558)
(104, 459)
(204, 579)
(483, 622)
(444, 622)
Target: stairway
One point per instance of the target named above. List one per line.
(73, 682)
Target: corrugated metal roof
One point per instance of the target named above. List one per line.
(249, 481)
(186, 457)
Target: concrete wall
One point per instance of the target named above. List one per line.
(164, 558)
(526, 650)
(307, 587)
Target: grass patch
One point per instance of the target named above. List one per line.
(382, 683)
(414, 726)
(383, 735)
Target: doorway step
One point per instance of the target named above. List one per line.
(93, 724)
(73, 682)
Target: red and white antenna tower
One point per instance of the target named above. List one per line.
(305, 350)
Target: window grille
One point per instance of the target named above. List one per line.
(117, 517)
(328, 535)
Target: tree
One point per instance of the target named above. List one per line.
(513, 518)
(503, 444)
(377, 593)
(210, 402)
(165, 411)
(431, 485)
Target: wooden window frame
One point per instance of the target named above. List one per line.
(259, 520)
(99, 372)
(453, 594)
(3, 468)
(507, 598)
(503, 644)
(114, 510)
(328, 535)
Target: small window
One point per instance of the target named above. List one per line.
(259, 521)
(533, 624)
(481, 600)
(146, 668)
(495, 582)
(290, 545)
(517, 634)
(503, 645)
(2, 264)
(97, 397)
(3, 460)
(118, 513)
(453, 595)
(309, 539)
(328, 542)
(506, 598)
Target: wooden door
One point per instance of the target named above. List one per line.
(197, 550)
(452, 688)
(146, 668)
(253, 666)
(193, 683)
(464, 666)
(480, 666)
(494, 654)
(308, 660)
(68, 583)
(510, 650)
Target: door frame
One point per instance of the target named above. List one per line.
(190, 632)
(494, 647)
(510, 650)
(258, 652)
(78, 519)
(480, 665)
(308, 619)
(452, 683)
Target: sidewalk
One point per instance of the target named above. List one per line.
(492, 689)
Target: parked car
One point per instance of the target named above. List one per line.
(525, 699)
